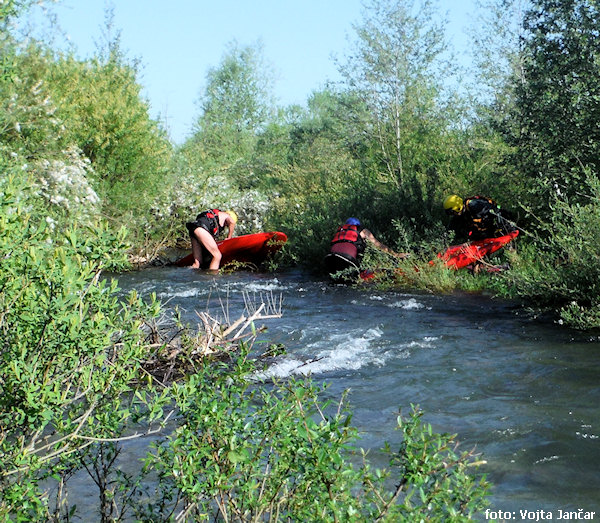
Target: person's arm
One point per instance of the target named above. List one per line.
(230, 224)
(368, 235)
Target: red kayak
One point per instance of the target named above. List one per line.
(248, 248)
(460, 256)
(455, 257)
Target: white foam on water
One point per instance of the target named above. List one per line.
(282, 369)
(185, 293)
(339, 352)
(585, 435)
(546, 459)
(428, 342)
(262, 286)
(141, 289)
(409, 304)
(401, 354)
(350, 351)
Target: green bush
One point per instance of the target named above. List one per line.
(560, 268)
(70, 349)
(247, 452)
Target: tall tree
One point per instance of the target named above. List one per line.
(395, 68)
(554, 125)
(497, 39)
(235, 106)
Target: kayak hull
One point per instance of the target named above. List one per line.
(247, 248)
(460, 256)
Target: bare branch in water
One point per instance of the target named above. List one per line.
(180, 353)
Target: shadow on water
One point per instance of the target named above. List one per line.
(524, 393)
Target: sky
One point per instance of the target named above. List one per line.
(179, 41)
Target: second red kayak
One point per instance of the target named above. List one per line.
(460, 256)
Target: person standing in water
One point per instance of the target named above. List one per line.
(204, 231)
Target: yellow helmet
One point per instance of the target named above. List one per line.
(453, 203)
(233, 215)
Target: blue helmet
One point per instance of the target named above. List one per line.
(352, 221)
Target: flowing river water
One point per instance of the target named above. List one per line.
(524, 392)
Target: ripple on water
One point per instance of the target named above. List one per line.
(350, 351)
(525, 394)
(410, 304)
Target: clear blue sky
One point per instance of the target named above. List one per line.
(178, 41)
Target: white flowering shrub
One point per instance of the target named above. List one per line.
(65, 186)
(28, 121)
(194, 193)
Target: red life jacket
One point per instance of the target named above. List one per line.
(351, 234)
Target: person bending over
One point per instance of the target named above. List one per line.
(204, 231)
(476, 218)
(349, 243)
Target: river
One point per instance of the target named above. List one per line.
(524, 392)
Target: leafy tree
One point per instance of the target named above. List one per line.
(497, 66)
(395, 69)
(28, 122)
(108, 119)
(11, 8)
(235, 106)
(552, 129)
(554, 125)
(497, 53)
(57, 104)
(7, 10)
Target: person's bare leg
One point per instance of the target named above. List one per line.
(205, 238)
(196, 251)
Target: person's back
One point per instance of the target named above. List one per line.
(478, 217)
(346, 248)
(483, 214)
(348, 242)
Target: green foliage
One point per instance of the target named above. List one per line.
(12, 8)
(85, 131)
(562, 269)
(497, 55)
(250, 453)
(551, 165)
(395, 71)
(70, 350)
(440, 486)
(28, 123)
(319, 187)
(384, 146)
(105, 116)
(554, 122)
(235, 106)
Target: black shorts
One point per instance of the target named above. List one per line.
(201, 221)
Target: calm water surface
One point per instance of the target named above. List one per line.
(525, 393)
